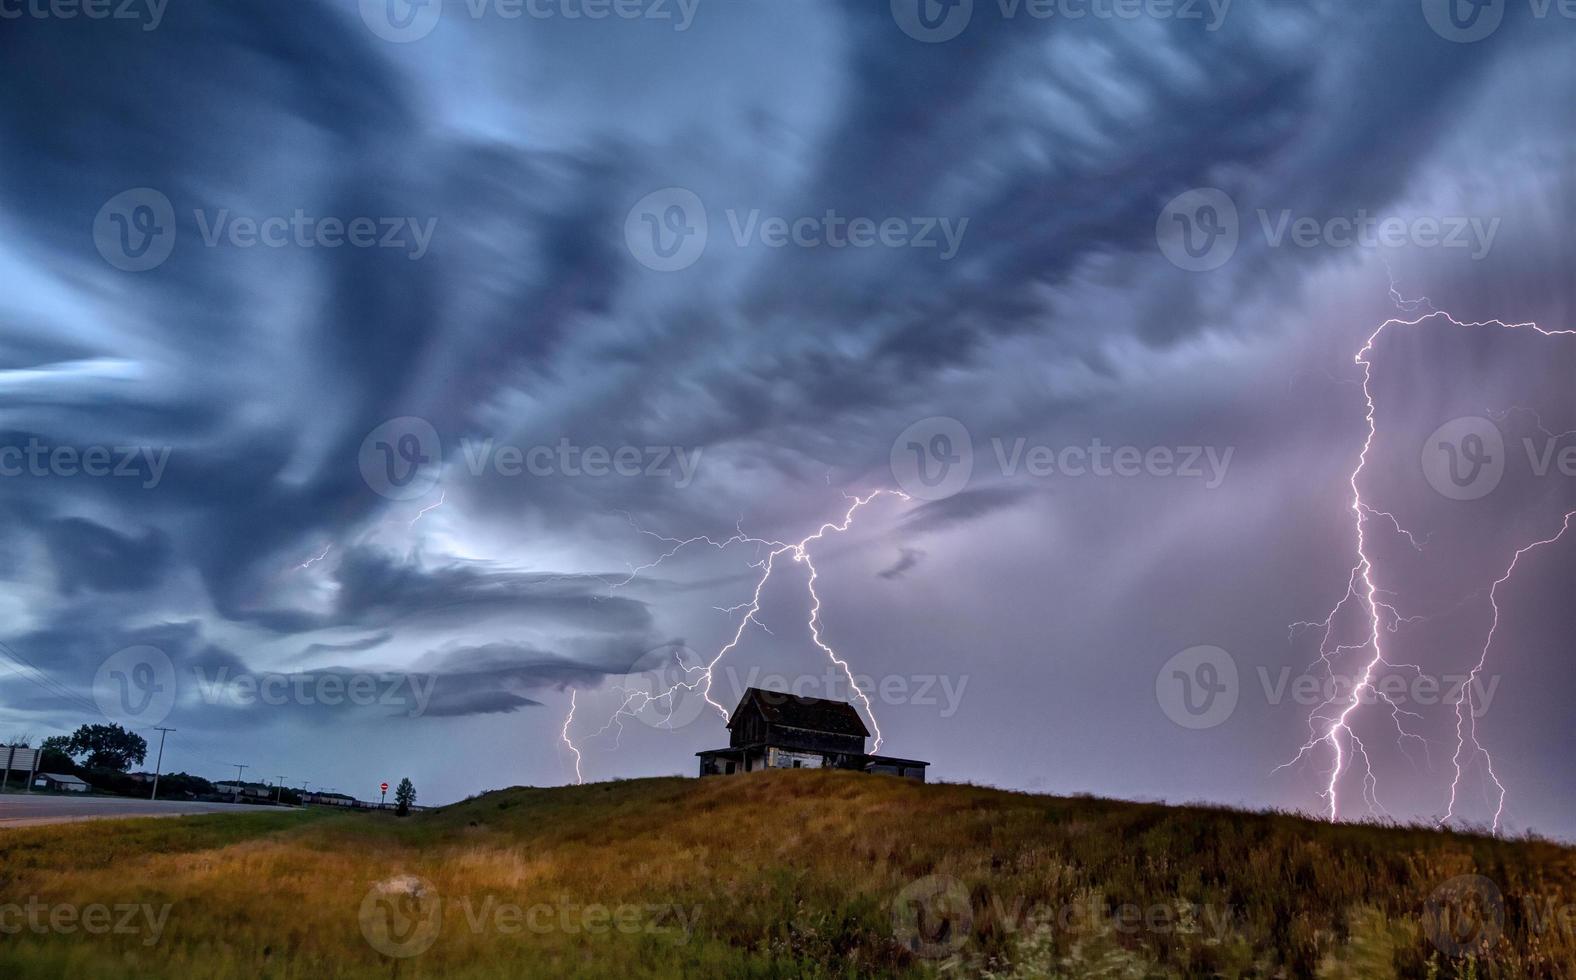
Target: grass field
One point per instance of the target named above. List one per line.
(783, 874)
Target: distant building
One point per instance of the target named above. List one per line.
(773, 730)
(257, 790)
(329, 799)
(60, 784)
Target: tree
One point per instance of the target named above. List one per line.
(56, 755)
(404, 796)
(173, 785)
(108, 747)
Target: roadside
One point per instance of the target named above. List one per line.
(34, 809)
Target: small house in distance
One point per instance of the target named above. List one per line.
(328, 799)
(773, 730)
(61, 783)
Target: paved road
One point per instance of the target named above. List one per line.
(23, 810)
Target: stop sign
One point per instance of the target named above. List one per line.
(385, 787)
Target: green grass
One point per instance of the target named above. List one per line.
(784, 874)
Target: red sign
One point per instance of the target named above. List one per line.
(385, 787)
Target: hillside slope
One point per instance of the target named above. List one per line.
(782, 874)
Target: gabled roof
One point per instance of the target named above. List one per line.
(813, 714)
(61, 779)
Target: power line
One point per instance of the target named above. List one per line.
(43, 680)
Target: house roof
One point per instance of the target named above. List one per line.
(57, 777)
(813, 714)
(892, 760)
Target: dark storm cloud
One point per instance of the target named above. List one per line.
(962, 507)
(352, 646)
(524, 231)
(482, 702)
(907, 559)
(925, 119)
(89, 556)
(377, 332)
(375, 589)
(72, 649)
(491, 679)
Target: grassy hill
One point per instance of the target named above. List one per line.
(781, 874)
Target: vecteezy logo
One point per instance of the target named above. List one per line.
(401, 458)
(1464, 21)
(1465, 916)
(1198, 687)
(401, 917)
(666, 230)
(401, 20)
(933, 458)
(1198, 230)
(135, 686)
(135, 230)
(932, 917)
(1464, 459)
(932, 21)
(669, 693)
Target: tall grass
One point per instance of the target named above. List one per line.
(787, 874)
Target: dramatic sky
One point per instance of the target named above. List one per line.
(633, 232)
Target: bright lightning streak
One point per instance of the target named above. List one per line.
(1464, 700)
(579, 779)
(423, 513)
(1343, 743)
(699, 677)
(313, 561)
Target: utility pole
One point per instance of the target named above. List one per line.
(279, 791)
(158, 767)
(238, 767)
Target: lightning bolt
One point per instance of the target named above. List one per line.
(1336, 714)
(1537, 420)
(698, 677)
(568, 719)
(423, 513)
(313, 561)
(1464, 700)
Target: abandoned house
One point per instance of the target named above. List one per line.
(773, 730)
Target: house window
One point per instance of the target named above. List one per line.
(730, 769)
(797, 764)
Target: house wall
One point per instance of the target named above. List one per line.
(752, 762)
(61, 787)
(811, 741)
(907, 772)
(749, 728)
(789, 759)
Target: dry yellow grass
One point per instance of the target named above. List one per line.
(780, 874)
